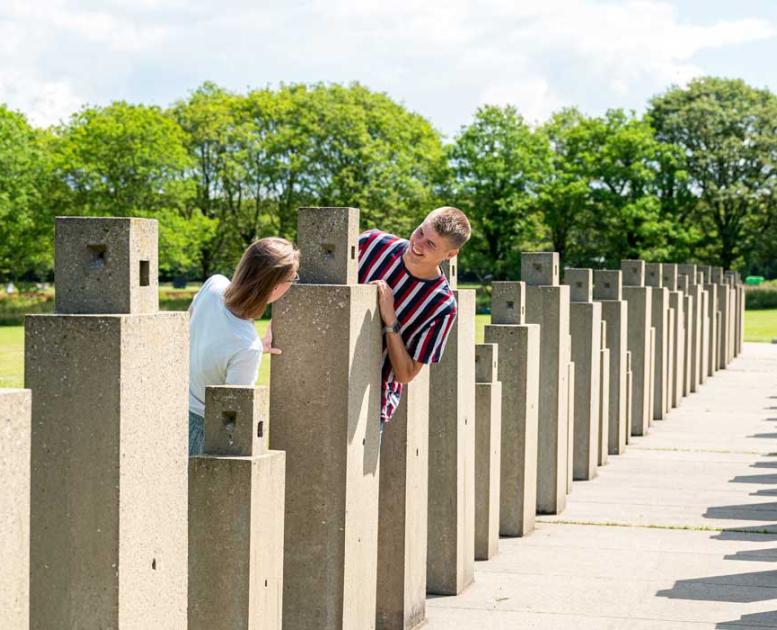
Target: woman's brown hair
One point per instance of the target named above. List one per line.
(265, 264)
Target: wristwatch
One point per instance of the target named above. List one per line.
(393, 328)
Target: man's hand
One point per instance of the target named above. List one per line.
(267, 342)
(385, 302)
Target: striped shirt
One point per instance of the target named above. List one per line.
(426, 309)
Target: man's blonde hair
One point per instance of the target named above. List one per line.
(451, 223)
(265, 264)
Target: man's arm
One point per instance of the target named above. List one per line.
(405, 367)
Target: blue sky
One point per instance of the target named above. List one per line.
(441, 58)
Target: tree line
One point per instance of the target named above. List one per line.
(694, 178)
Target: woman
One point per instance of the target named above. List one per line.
(224, 348)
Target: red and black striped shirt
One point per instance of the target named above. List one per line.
(426, 309)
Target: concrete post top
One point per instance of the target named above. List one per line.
(717, 275)
(670, 276)
(540, 268)
(682, 283)
(730, 278)
(706, 273)
(450, 269)
(106, 265)
(633, 273)
(15, 393)
(604, 334)
(508, 303)
(327, 240)
(486, 361)
(236, 420)
(688, 269)
(608, 284)
(654, 275)
(581, 283)
(699, 278)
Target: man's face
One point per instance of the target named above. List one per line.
(427, 247)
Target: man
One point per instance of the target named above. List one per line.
(416, 303)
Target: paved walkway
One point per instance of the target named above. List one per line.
(680, 532)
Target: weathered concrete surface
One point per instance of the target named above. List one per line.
(604, 401)
(677, 304)
(331, 340)
(106, 265)
(519, 367)
(705, 333)
(15, 508)
(724, 309)
(629, 394)
(692, 505)
(329, 239)
(608, 291)
(712, 328)
(404, 478)
(570, 420)
(694, 329)
(488, 436)
(109, 470)
(654, 278)
(451, 533)
(639, 299)
(236, 488)
(585, 322)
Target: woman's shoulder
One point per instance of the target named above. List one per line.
(216, 284)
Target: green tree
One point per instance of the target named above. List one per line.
(726, 130)
(497, 163)
(25, 224)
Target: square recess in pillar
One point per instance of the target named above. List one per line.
(670, 276)
(540, 269)
(580, 283)
(654, 275)
(106, 266)
(682, 282)
(236, 420)
(608, 284)
(486, 359)
(508, 303)
(633, 273)
(688, 270)
(450, 269)
(327, 240)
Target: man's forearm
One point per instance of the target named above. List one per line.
(403, 364)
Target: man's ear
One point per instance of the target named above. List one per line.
(452, 254)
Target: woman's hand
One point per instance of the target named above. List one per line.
(267, 342)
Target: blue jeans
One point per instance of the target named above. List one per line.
(196, 434)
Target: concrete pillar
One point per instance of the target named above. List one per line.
(331, 339)
(677, 355)
(519, 372)
(652, 384)
(701, 279)
(740, 314)
(15, 508)
(570, 421)
(640, 310)
(712, 331)
(604, 399)
(654, 278)
(694, 330)
(402, 527)
(724, 309)
(682, 285)
(547, 303)
(629, 396)
(108, 540)
(585, 320)
(608, 290)
(450, 561)
(733, 315)
(488, 435)
(236, 488)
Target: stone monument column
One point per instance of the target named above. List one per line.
(701, 280)
(585, 318)
(677, 357)
(488, 437)
(654, 278)
(682, 285)
(325, 405)
(694, 330)
(15, 430)
(450, 563)
(608, 291)
(639, 298)
(547, 304)
(519, 372)
(404, 478)
(730, 283)
(109, 381)
(629, 395)
(236, 494)
(711, 286)
(604, 399)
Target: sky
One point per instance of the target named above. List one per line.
(440, 58)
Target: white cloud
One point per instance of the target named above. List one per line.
(440, 57)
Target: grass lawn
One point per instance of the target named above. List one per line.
(759, 326)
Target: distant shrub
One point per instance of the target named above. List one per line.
(761, 297)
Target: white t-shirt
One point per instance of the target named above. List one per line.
(223, 349)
